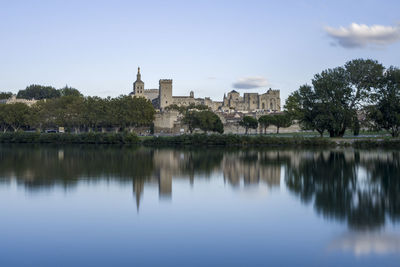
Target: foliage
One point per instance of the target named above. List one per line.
(77, 113)
(38, 92)
(69, 91)
(66, 138)
(280, 120)
(184, 109)
(336, 95)
(206, 120)
(5, 95)
(265, 121)
(386, 112)
(14, 116)
(248, 123)
(234, 140)
(293, 107)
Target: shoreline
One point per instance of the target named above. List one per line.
(195, 140)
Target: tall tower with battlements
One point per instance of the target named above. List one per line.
(165, 93)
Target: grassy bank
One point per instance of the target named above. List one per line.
(195, 140)
(234, 140)
(373, 143)
(68, 138)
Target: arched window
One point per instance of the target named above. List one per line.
(263, 105)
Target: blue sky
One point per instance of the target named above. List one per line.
(205, 46)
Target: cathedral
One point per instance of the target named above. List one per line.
(162, 98)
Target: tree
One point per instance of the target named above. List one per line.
(386, 112)
(206, 120)
(69, 91)
(248, 123)
(334, 98)
(190, 119)
(38, 92)
(14, 116)
(209, 121)
(97, 113)
(293, 106)
(128, 112)
(265, 121)
(282, 120)
(5, 95)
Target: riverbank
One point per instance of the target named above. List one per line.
(196, 140)
(69, 138)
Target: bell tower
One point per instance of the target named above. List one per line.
(138, 85)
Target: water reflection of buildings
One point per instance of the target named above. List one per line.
(249, 167)
(361, 188)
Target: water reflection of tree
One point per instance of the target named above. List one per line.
(333, 182)
(40, 167)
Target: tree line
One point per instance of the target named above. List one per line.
(362, 93)
(77, 113)
(39, 92)
(279, 120)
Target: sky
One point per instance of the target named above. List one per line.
(210, 47)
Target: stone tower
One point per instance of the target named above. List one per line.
(165, 93)
(138, 85)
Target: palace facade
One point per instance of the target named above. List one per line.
(249, 102)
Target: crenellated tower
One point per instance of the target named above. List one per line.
(165, 93)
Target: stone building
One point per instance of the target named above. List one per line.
(269, 101)
(163, 97)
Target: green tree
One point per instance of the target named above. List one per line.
(265, 121)
(336, 95)
(5, 95)
(69, 91)
(190, 119)
(386, 112)
(206, 120)
(282, 120)
(248, 123)
(209, 121)
(14, 116)
(38, 92)
(129, 112)
(293, 106)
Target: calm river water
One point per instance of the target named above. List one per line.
(113, 206)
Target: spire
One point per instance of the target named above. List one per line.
(138, 76)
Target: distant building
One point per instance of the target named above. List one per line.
(269, 101)
(13, 99)
(163, 97)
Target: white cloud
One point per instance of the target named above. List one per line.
(250, 82)
(361, 35)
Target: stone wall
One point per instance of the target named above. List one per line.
(166, 121)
